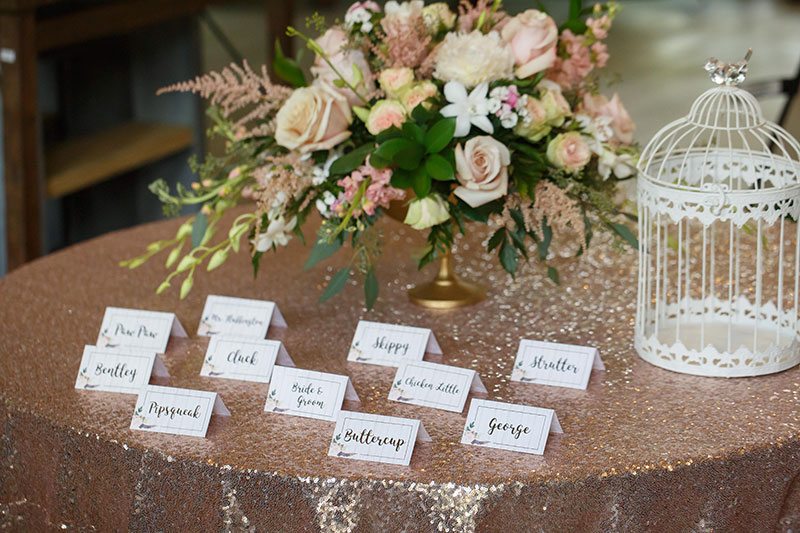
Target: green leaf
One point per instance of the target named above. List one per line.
(321, 251)
(482, 212)
(377, 161)
(421, 114)
(422, 183)
(371, 288)
(410, 158)
(287, 69)
(256, 262)
(389, 133)
(351, 160)
(337, 283)
(547, 238)
(413, 132)
(438, 168)
(199, 229)
(552, 273)
(624, 231)
(508, 257)
(391, 148)
(440, 135)
(518, 239)
(496, 239)
(402, 179)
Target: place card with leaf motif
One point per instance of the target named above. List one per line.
(240, 317)
(308, 393)
(508, 426)
(434, 385)
(368, 437)
(552, 363)
(247, 359)
(123, 370)
(177, 411)
(135, 328)
(391, 345)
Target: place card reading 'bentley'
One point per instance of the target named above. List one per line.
(176, 411)
(225, 315)
(507, 426)
(247, 359)
(434, 385)
(384, 439)
(134, 328)
(294, 391)
(124, 370)
(391, 345)
(551, 363)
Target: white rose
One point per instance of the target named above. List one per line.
(482, 170)
(313, 118)
(426, 212)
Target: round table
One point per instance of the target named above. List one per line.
(643, 448)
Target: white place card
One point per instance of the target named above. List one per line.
(384, 439)
(434, 385)
(507, 426)
(135, 328)
(551, 363)
(124, 370)
(176, 411)
(294, 391)
(247, 359)
(391, 345)
(239, 317)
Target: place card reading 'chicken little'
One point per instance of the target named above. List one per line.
(240, 317)
(559, 365)
(384, 439)
(298, 392)
(134, 328)
(124, 370)
(508, 426)
(243, 358)
(176, 411)
(434, 385)
(391, 345)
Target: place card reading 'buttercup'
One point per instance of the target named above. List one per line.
(559, 365)
(383, 439)
(508, 426)
(298, 392)
(176, 411)
(434, 385)
(391, 345)
(134, 328)
(243, 358)
(124, 370)
(240, 317)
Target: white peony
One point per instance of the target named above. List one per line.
(474, 58)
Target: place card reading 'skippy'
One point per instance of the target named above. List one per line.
(551, 363)
(124, 370)
(240, 317)
(177, 411)
(384, 439)
(294, 391)
(507, 426)
(434, 385)
(247, 359)
(134, 328)
(391, 345)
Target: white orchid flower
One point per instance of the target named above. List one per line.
(468, 109)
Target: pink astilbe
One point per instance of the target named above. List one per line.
(379, 193)
(278, 180)
(562, 212)
(407, 41)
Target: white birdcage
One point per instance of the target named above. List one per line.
(719, 246)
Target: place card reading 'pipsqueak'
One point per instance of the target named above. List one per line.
(135, 328)
(176, 411)
(434, 385)
(508, 426)
(123, 370)
(299, 392)
(384, 439)
(559, 365)
(391, 345)
(239, 317)
(247, 359)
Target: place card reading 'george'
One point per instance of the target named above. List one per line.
(247, 359)
(391, 345)
(124, 370)
(507, 426)
(434, 385)
(134, 328)
(551, 363)
(176, 411)
(240, 317)
(298, 392)
(384, 439)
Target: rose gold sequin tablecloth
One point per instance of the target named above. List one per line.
(643, 448)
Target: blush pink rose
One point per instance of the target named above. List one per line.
(569, 151)
(334, 43)
(533, 37)
(385, 114)
(482, 170)
(622, 125)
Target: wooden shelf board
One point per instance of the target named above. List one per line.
(79, 163)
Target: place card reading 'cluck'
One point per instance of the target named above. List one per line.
(434, 385)
(391, 345)
(124, 370)
(134, 328)
(240, 317)
(177, 411)
(243, 358)
(384, 439)
(551, 363)
(507, 426)
(298, 392)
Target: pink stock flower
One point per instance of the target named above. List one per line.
(622, 125)
(571, 70)
(599, 27)
(379, 193)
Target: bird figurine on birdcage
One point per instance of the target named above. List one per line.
(719, 243)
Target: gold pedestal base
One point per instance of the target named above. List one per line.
(446, 291)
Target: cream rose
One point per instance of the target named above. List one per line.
(555, 105)
(334, 43)
(569, 151)
(482, 170)
(418, 93)
(534, 125)
(313, 118)
(385, 114)
(394, 81)
(426, 212)
(533, 37)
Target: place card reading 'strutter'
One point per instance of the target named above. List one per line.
(294, 391)
(391, 345)
(434, 385)
(124, 370)
(177, 411)
(243, 358)
(551, 363)
(384, 439)
(134, 328)
(240, 317)
(507, 426)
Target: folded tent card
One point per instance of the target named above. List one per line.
(298, 392)
(123, 370)
(507, 426)
(559, 365)
(239, 317)
(391, 345)
(434, 385)
(176, 411)
(384, 439)
(247, 359)
(135, 328)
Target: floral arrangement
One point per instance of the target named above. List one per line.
(470, 116)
